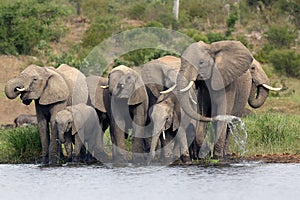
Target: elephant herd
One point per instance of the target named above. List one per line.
(165, 108)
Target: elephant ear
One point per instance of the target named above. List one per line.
(100, 95)
(232, 59)
(139, 94)
(152, 76)
(77, 120)
(56, 89)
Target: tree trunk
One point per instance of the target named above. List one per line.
(176, 9)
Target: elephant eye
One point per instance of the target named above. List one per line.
(35, 78)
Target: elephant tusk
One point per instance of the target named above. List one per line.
(187, 87)
(195, 102)
(164, 135)
(168, 90)
(20, 89)
(271, 88)
(104, 86)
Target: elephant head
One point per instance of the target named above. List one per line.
(38, 83)
(260, 85)
(218, 64)
(125, 83)
(161, 74)
(64, 122)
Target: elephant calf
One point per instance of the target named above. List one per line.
(80, 124)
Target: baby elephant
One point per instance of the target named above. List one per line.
(80, 124)
(25, 120)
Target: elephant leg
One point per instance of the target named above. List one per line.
(227, 142)
(68, 146)
(220, 137)
(118, 147)
(79, 149)
(45, 138)
(54, 147)
(139, 122)
(168, 146)
(201, 144)
(184, 149)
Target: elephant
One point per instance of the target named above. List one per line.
(129, 108)
(25, 120)
(221, 72)
(99, 98)
(170, 123)
(80, 124)
(160, 74)
(52, 90)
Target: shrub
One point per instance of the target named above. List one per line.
(137, 11)
(281, 36)
(286, 61)
(24, 23)
(215, 37)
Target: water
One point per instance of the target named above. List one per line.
(237, 129)
(237, 181)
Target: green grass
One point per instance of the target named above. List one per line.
(272, 133)
(20, 145)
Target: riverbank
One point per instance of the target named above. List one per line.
(270, 137)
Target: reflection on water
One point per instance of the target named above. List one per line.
(238, 181)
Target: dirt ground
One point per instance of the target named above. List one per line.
(10, 67)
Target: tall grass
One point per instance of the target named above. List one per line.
(273, 133)
(20, 145)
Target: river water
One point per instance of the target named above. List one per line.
(236, 181)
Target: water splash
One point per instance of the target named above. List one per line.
(237, 129)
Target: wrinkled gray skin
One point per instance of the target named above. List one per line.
(80, 124)
(167, 117)
(25, 120)
(129, 107)
(160, 74)
(221, 74)
(99, 98)
(52, 90)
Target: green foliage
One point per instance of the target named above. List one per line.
(232, 18)
(99, 30)
(20, 145)
(286, 61)
(24, 23)
(196, 35)
(272, 133)
(137, 11)
(281, 36)
(215, 37)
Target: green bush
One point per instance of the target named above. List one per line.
(20, 145)
(281, 36)
(137, 11)
(24, 23)
(286, 61)
(215, 37)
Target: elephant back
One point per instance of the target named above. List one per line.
(76, 82)
(160, 74)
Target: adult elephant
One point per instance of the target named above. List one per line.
(217, 70)
(52, 90)
(129, 107)
(99, 98)
(160, 74)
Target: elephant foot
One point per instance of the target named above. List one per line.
(186, 159)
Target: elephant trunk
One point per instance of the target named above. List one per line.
(11, 88)
(186, 102)
(258, 96)
(61, 135)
